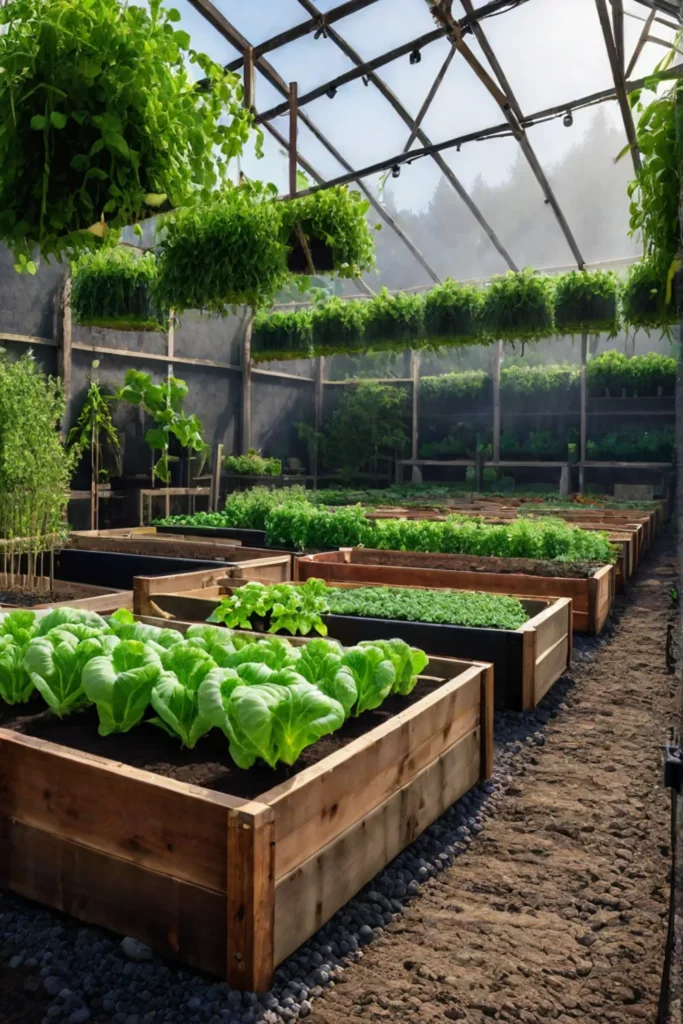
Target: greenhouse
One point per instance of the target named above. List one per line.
(340, 638)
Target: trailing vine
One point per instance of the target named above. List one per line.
(94, 429)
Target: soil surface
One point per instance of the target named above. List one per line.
(31, 598)
(558, 910)
(209, 764)
(476, 563)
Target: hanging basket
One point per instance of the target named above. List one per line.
(518, 307)
(644, 302)
(587, 303)
(114, 288)
(394, 322)
(452, 315)
(286, 335)
(339, 326)
(335, 226)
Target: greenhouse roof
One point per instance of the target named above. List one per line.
(484, 134)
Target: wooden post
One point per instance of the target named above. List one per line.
(584, 418)
(246, 384)
(248, 81)
(215, 498)
(251, 897)
(293, 134)
(415, 425)
(93, 479)
(170, 342)
(64, 339)
(319, 397)
(497, 359)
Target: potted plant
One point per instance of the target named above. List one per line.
(282, 335)
(518, 307)
(115, 288)
(587, 302)
(224, 253)
(394, 322)
(339, 326)
(644, 299)
(252, 464)
(327, 232)
(452, 315)
(104, 124)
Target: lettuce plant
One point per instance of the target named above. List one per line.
(174, 695)
(321, 663)
(55, 664)
(20, 627)
(374, 675)
(70, 616)
(16, 685)
(408, 662)
(120, 684)
(124, 625)
(296, 609)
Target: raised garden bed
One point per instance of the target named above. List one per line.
(221, 882)
(76, 595)
(145, 540)
(590, 587)
(527, 661)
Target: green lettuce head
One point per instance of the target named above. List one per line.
(120, 684)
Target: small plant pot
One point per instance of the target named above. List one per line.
(321, 256)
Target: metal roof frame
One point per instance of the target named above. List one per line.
(493, 79)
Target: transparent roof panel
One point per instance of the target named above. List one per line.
(310, 62)
(260, 21)
(384, 25)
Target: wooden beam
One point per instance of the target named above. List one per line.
(280, 373)
(415, 411)
(318, 414)
(429, 98)
(618, 29)
(250, 897)
(638, 49)
(416, 132)
(619, 83)
(249, 99)
(246, 384)
(64, 336)
(495, 375)
(28, 339)
(490, 55)
(126, 353)
(293, 125)
(584, 417)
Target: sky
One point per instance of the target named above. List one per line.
(552, 51)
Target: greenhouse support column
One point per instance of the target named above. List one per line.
(497, 359)
(319, 393)
(416, 474)
(63, 337)
(246, 384)
(584, 417)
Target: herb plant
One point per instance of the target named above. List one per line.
(587, 302)
(452, 607)
(339, 326)
(641, 375)
(335, 219)
(253, 464)
(103, 121)
(223, 253)
(394, 321)
(518, 307)
(286, 335)
(440, 393)
(452, 315)
(283, 606)
(529, 381)
(95, 430)
(115, 288)
(369, 424)
(644, 297)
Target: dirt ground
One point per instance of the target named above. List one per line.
(558, 910)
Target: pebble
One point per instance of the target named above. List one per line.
(136, 950)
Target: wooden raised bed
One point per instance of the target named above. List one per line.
(527, 661)
(591, 596)
(254, 562)
(223, 884)
(76, 595)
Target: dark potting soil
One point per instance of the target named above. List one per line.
(209, 764)
(30, 598)
(478, 563)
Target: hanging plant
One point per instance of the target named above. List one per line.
(102, 121)
(394, 321)
(587, 302)
(331, 227)
(518, 307)
(115, 288)
(339, 326)
(164, 403)
(452, 315)
(226, 253)
(282, 335)
(644, 297)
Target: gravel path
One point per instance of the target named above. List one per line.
(554, 910)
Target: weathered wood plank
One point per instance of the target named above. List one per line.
(314, 890)
(251, 897)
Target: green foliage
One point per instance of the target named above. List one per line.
(459, 443)
(452, 314)
(368, 424)
(115, 288)
(322, 664)
(283, 606)
(282, 335)
(35, 467)
(102, 120)
(644, 297)
(408, 662)
(175, 694)
(164, 403)
(223, 253)
(439, 392)
(339, 326)
(452, 607)
(655, 194)
(94, 427)
(16, 685)
(528, 381)
(306, 527)
(374, 674)
(253, 463)
(587, 302)
(120, 684)
(641, 446)
(518, 307)
(55, 663)
(335, 217)
(643, 375)
(249, 509)
(394, 321)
